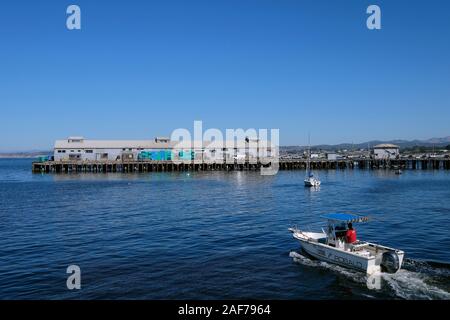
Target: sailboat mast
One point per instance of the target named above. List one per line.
(308, 164)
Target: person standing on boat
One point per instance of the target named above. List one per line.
(350, 236)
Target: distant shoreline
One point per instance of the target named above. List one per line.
(417, 146)
(17, 157)
(23, 155)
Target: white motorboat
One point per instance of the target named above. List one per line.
(330, 246)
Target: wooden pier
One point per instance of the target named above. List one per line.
(284, 164)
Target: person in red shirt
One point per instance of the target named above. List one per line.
(350, 236)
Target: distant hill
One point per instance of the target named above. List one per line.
(23, 154)
(403, 144)
(440, 141)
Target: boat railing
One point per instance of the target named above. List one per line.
(311, 227)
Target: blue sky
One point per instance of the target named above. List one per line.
(140, 69)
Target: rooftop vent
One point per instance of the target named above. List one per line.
(162, 140)
(75, 139)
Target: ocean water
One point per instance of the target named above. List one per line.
(214, 235)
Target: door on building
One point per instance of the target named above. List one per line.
(101, 156)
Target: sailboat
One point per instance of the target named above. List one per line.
(310, 179)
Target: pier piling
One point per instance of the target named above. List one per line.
(284, 164)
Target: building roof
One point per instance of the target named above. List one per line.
(386, 146)
(109, 144)
(345, 217)
(144, 144)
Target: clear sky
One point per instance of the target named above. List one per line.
(139, 69)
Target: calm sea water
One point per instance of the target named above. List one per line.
(214, 235)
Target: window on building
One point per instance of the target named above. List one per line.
(89, 151)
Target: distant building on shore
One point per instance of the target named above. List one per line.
(332, 156)
(386, 151)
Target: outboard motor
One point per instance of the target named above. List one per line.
(390, 262)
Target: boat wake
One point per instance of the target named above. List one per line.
(420, 280)
(416, 279)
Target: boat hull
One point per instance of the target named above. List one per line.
(341, 258)
(374, 258)
(312, 183)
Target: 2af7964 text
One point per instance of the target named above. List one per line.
(224, 310)
(245, 309)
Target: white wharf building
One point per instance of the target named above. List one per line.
(78, 148)
(81, 149)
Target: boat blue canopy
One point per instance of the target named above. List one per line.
(345, 217)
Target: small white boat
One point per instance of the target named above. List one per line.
(330, 246)
(397, 170)
(310, 179)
